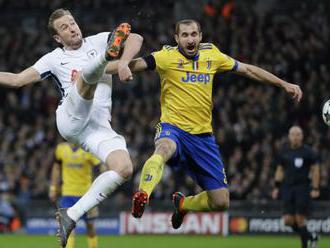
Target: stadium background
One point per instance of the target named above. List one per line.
(288, 38)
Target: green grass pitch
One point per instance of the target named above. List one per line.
(24, 241)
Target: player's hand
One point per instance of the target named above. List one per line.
(315, 193)
(124, 72)
(294, 90)
(275, 193)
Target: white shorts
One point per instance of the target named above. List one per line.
(81, 122)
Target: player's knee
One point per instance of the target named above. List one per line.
(300, 222)
(126, 170)
(165, 148)
(121, 163)
(288, 221)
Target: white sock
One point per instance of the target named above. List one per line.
(101, 188)
(92, 72)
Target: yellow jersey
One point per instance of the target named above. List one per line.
(77, 169)
(186, 85)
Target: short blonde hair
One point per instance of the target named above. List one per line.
(54, 16)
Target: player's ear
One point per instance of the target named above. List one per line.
(57, 38)
(176, 37)
(200, 36)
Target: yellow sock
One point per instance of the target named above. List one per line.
(151, 173)
(92, 241)
(196, 203)
(70, 243)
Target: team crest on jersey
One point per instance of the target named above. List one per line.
(92, 53)
(298, 162)
(208, 64)
(180, 64)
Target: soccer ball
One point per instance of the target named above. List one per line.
(326, 112)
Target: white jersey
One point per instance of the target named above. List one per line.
(63, 65)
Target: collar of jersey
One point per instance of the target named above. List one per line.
(194, 58)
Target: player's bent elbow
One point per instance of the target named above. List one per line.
(16, 83)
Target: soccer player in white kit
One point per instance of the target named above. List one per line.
(83, 116)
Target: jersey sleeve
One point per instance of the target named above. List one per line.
(93, 160)
(314, 157)
(224, 62)
(58, 153)
(44, 66)
(100, 39)
(161, 58)
(279, 159)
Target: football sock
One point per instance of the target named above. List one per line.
(196, 203)
(295, 228)
(92, 72)
(71, 239)
(92, 241)
(101, 188)
(151, 173)
(304, 236)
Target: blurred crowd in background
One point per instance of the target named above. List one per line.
(251, 120)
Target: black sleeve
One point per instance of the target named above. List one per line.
(279, 158)
(151, 62)
(315, 158)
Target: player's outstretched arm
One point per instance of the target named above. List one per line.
(16, 80)
(132, 47)
(261, 75)
(135, 65)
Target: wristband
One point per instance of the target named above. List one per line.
(317, 189)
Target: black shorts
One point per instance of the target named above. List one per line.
(296, 200)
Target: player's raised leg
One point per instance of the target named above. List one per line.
(109, 180)
(151, 174)
(207, 169)
(213, 200)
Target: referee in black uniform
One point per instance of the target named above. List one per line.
(298, 177)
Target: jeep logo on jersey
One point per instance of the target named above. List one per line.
(92, 53)
(298, 162)
(199, 78)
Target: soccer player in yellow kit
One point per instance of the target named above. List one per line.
(184, 137)
(71, 177)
